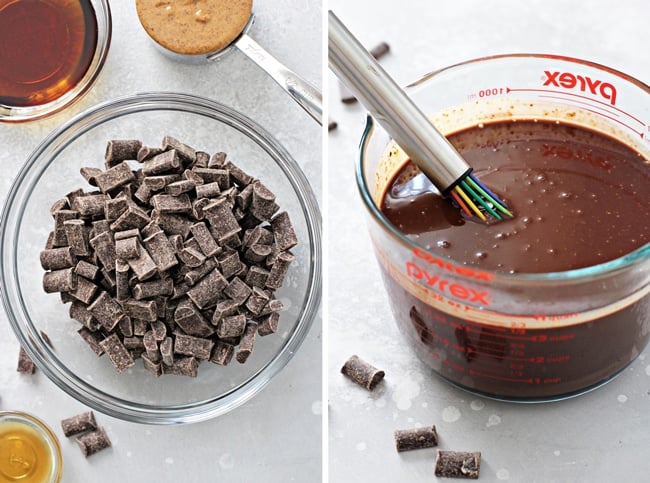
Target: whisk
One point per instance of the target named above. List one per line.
(408, 125)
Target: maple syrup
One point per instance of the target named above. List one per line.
(47, 48)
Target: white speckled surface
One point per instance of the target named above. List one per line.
(598, 437)
(275, 437)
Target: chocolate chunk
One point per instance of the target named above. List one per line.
(164, 203)
(222, 353)
(217, 160)
(332, 125)
(211, 175)
(207, 291)
(87, 270)
(204, 239)
(147, 152)
(172, 224)
(362, 372)
(154, 288)
(231, 326)
(161, 250)
(257, 300)
(188, 318)
(94, 441)
(127, 248)
(279, 270)
(79, 312)
(90, 174)
(269, 324)
(229, 263)
(126, 234)
(93, 340)
(193, 276)
(152, 363)
(285, 236)
(208, 190)
(122, 285)
(167, 351)
(119, 356)
(187, 153)
(63, 280)
(161, 163)
(177, 188)
(222, 221)
(223, 309)
(76, 233)
(57, 258)
(114, 177)
(257, 277)
(458, 464)
(60, 217)
(84, 291)
(237, 290)
(118, 150)
(257, 253)
(193, 346)
(140, 309)
(25, 363)
(133, 217)
(125, 326)
(191, 257)
(79, 424)
(104, 247)
(263, 204)
(158, 183)
(418, 438)
(143, 266)
(106, 310)
(183, 366)
(238, 175)
(90, 205)
(245, 347)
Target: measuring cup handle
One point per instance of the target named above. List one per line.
(307, 96)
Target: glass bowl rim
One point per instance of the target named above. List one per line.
(640, 255)
(38, 349)
(15, 114)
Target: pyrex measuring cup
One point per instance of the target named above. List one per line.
(307, 96)
(526, 337)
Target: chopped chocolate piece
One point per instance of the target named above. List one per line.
(104, 247)
(154, 288)
(257, 253)
(25, 363)
(217, 160)
(140, 309)
(273, 305)
(133, 342)
(79, 312)
(114, 208)
(158, 183)
(93, 340)
(263, 204)
(222, 353)
(60, 217)
(283, 231)
(119, 150)
(126, 234)
(127, 248)
(159, 330)
(231, 326)
(161, 250)
(208, 190)
(187, 153)
(118, 354)
(458, 464)
(193, 346)
(207, 291)
(167, 351)
(245, 347)
(191, 257)
(279, 270)
(63, 280)
(418, 438)
(164, 203)
(107, 280)
(172, 224)
(106, 310)
(73, 195)
(229, 263)
(221, 219)
(133, 217)
(331, 125)
(210, 175)
(78, 424)
(61, 204)
(144, 266)
(114, 177)
(57, 258)
(257, 300)
(76, 233)
(362, 372)
(125, 326)
(161, 163)
(193, 276)
(86, 270)
(94, 441)
(223, 309)
(197, 207)
(152, 363)
(238, 175)
(143, 194)
(183, 366)
(90, 205)
(90, 174)
(237, 290)
(84, 291)
(204, 239)
(268, 324)
(99, 227)
(188, 318)
(122, 286)
(151, 345)
(139, 327)
(257, 277)
(177, 188)
(190, 175)
(147, 152)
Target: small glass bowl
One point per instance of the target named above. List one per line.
(11, 113)
(53, 170)
(16, 431)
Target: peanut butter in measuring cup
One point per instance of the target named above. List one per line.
(553, 302)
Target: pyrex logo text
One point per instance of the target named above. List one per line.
(455, 289)
(583, 83)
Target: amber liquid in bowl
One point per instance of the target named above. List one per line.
(581, 199)
(47, 48)
(25, 455)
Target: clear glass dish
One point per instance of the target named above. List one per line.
(53, 170)
(19, 113)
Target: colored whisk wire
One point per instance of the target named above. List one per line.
(474, 198)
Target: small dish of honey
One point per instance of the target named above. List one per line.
(51, 54)
(29, 450)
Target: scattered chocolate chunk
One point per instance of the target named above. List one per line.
(25, 363)
(458, 464)
(418, 438)
(119, 150)
(120, 357)
(332, 125)
(94, 441)
(79, 424)
(362, 372)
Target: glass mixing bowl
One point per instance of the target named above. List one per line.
(53, 170)
(17, 113)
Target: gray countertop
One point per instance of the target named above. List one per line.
(601, 436)
(276, 436)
